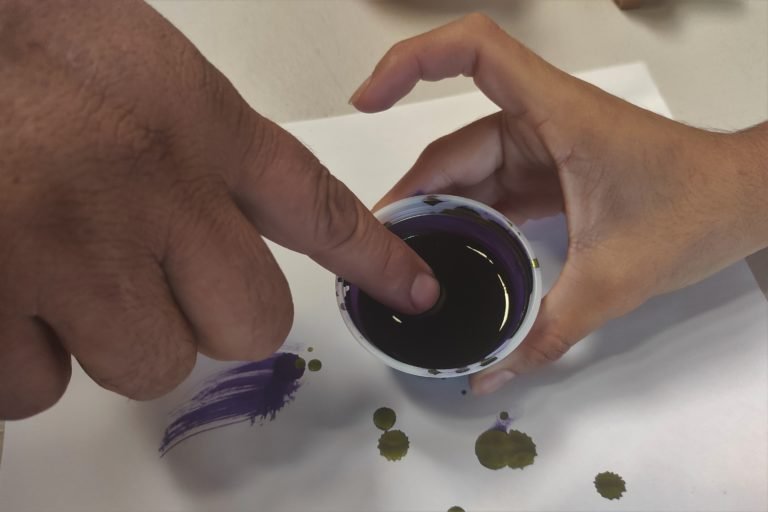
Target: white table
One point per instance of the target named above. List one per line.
(301, 59)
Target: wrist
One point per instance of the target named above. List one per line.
(745, 162)
(738, 163)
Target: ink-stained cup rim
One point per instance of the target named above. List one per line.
(442, 202)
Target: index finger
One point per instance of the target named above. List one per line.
(296, 202)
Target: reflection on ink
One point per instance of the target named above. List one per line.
(247, 392)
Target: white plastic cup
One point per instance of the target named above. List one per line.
(496, 234)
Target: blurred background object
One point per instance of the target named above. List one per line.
(629, 4)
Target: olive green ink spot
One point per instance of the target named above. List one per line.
(486, 362)
(610, 485)
(314, 365)
(311, 349)
(462, 370)
(393, 445)
(300, 363)
(504, 415)
(433, 372)
(384, 418)
(490, 449)
(496, 449)
(535, 262)
(456, 509)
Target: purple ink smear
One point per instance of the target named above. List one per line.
(503, 424)
(243, 393)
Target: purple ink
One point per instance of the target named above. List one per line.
(503, 422)
(490, 290)
(246, 392)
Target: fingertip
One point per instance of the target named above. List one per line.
(425, 292)
(488, 383)
(359, 92)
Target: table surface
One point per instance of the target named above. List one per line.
(301, 59)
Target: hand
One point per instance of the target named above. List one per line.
(135, 188)
(652, 205)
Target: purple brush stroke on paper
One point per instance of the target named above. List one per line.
(246, 392)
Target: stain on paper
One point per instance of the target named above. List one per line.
(393, 444)
(250, 392)
(610, 485)
(501, 447)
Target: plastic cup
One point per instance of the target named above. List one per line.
(486, 227)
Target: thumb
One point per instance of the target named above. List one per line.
(577, 304)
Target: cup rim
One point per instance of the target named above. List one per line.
(507, 346)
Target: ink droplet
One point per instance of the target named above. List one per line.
(310, 349)
(456, 509)
(300, 363)
(384, 418)
(610, 485)
(523, 450)
(504, 416)
(393, 445)
(314, 365)
(491, 449)
(496, 449)
(463, 391)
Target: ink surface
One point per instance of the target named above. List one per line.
(469, 321)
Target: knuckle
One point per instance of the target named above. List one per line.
(339, 217)
(398, 48)
(550, 348)
(259, 144)
(155, 356)
(617, 289)
(140, 381)
(30, 382)
(478, 21)
(44, 394)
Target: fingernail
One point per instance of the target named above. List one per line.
(360, 90)
(492, 382)
(424, 291)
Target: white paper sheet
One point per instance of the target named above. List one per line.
(672, 397)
